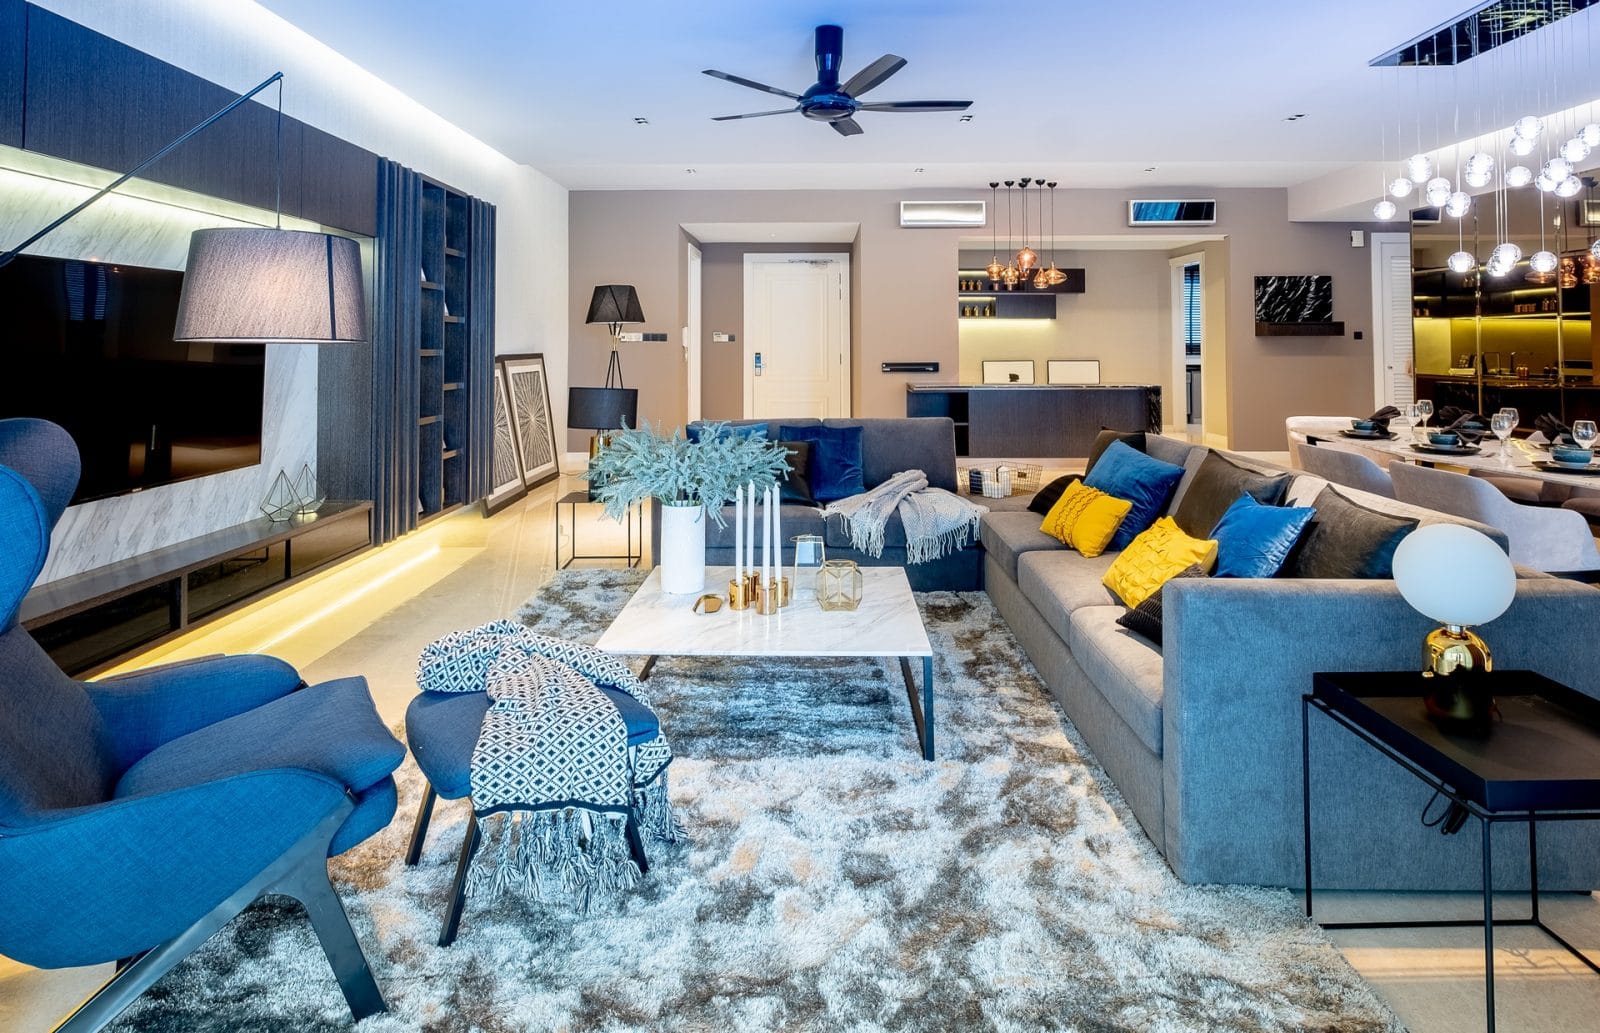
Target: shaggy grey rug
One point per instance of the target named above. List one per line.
(834, 881)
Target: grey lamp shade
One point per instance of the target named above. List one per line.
(602, 408)
(253, 284)
(615, 303)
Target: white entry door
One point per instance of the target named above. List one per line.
(796, 336)
(1392, 346)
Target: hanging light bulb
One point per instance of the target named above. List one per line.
(1528, 127)
(1400, 187)
(1419, 168)
(1521, 146)
(1572, 186)
(1543, 262)
(1461, 262)
(1478, 169)
(1385, 210)
(1590, 134)
(1437, 191)
(995, 269)
(1519, 176)
(1458, 204)
(1026, 256)
(1503, 259)
(1575, 150)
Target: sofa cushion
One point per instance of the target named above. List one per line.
(890, 445)
(1006, 536)
(1125, 667)
(798, 518)
(1134, 439)
(1346, 540)
(1058, 583)
(1046, 497)
(1254, 540)
(1145, 619)
(1153, 558)
(796, 487)
(834, 468)
(1147, 483)
(1085, 518)
(1218, 485)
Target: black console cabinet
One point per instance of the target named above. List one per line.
(1035, 422)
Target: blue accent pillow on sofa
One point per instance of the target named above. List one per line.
(835, 466)
(1253, 540)
(1127, 473)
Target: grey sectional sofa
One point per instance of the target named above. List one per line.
(1203, 736)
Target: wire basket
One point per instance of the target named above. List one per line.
(1001, 480)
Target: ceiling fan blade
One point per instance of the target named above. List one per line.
(873, 75)
(846, 127)
(755, 114)
(918, 105)
(742, 81)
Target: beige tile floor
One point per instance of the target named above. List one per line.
(371, 615)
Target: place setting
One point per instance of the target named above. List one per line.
(1576, 458)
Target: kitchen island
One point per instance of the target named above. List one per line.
(1035, 421)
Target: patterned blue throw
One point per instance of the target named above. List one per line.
(554, 779)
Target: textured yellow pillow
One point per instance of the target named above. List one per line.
(1154, 557)
(1085, 518)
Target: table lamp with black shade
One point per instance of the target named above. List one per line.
(614, 304)
(601, 409)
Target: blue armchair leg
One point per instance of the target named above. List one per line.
(419, 831)
(458, 890)
(295, 874)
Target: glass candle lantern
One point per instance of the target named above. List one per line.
(839, 585)
(808, 552)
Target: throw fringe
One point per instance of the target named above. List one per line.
(655, 814)
(569, 857)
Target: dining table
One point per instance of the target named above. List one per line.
(1515, 457)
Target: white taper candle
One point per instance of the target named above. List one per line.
(777, 531)
(750, 528)
(738, 532)
(766, 541)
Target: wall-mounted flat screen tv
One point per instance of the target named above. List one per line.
(89, 345)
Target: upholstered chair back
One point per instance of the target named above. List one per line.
(53, 751)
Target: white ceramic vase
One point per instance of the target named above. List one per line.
(683, 549)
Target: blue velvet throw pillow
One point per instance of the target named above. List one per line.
(1126, 473)
(835, 464)
(751, 430)
(1253, 540)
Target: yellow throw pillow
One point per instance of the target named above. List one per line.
(1085, 518)
(1155, 556)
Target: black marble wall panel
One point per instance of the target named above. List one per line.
(1294, 299)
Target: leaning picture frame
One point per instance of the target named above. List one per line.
(1008, 371)
(528, 402)
(505, 462)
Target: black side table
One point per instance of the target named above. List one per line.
(572, 500)
(1540, 762)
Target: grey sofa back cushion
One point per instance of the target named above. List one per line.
(1346, 540)
(888, 446)
(1305, 488)
(1218, 485)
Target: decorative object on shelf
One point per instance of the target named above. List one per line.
(689, 479)
(1007, 371)
(281, 502)
(1458, 576)
(528, 397)
(614, 304)
(839, 584)
(505, 474)
(308, 491)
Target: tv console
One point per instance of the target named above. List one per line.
(89, 621)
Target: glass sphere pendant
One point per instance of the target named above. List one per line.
(1458, 204)
(1461, 262)
(1575, 150)
(1419, 168)
(1385, 210)
(1528, 127)
(1400, 187)
(1521, 146)
(1572, 186)
(1543, 262)
(1590, 134)
(1519, 176)
(1478, 169)
(1437, 191)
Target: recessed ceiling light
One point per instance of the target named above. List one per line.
(964, 118)
(919, 168)
(688, 172)
(640, 121)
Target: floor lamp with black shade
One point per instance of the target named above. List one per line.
(601, 409)
(614, 304)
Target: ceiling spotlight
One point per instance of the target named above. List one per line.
(688, 172)
(1295, 118)
(919, 168)
(964, 118)
(1419, 168)
(1519, 176)
(1385, 210)
(640, 121)
(1150, 168)
(1461, 262)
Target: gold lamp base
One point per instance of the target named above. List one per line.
(1459, 700)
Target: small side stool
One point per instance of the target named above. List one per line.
(442, 729)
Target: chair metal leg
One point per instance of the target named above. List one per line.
(458, 890)
(292, 874)
(419, 831)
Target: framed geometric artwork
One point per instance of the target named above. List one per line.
(528, 392)
(505, 466)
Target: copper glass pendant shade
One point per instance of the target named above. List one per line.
(995, 270)
(1027, 258)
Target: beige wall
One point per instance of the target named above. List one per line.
(903, 299)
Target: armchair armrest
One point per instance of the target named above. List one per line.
(92, 884)
(145, 709)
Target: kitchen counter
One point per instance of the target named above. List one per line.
(1030, 421)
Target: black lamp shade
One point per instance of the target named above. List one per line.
(259, 284)
(615, 303)
(602, 408)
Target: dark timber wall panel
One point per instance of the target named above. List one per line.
(338, 182)
(13, 44)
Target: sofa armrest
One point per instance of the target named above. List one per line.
(1238, 656)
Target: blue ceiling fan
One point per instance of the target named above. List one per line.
(828, 101)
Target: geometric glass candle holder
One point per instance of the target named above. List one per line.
(281, 502)
(308, 491)
(839, 585)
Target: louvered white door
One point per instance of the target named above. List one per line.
(1393, 351)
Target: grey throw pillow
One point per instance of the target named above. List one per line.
(1216, 486)
(1347, 540)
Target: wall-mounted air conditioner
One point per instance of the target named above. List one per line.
(921, 215)
(1157, 212)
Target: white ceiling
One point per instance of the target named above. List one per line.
(1091, 93)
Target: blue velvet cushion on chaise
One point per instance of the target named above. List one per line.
(138, 814)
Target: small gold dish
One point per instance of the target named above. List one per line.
(708, 603)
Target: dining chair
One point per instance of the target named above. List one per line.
(1345, 466)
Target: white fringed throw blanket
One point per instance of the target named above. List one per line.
(554, 780)
(936, 521)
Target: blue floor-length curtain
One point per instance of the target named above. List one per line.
(480, 349)
(396, 359)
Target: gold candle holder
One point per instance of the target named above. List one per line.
(766, 598)
(785, 592)
(739, 593)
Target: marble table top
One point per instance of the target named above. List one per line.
(1516, 459)
(887, 623)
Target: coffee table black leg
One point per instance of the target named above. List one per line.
(921, 712)
(1305, 791)
(1488, 921)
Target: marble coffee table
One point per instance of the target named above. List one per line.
(887, 623)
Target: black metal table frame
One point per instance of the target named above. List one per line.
(1487, 819)
(572, 504)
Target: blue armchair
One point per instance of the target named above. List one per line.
(139, 814)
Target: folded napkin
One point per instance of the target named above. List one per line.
(1553, 428)
(1382, 418)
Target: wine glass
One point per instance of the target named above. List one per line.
(1424, 410)
(1584, 433)
(1501, 424)
(1516, 418)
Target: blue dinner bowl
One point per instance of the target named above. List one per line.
(1445, 438)
(1563, 454)
(1363, 426)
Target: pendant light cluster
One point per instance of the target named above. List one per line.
(1023, 265)
(1554, 146)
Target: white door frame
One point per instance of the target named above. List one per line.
(839, 259)
(1380, 318)
(1180, 360)
(691, 336)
